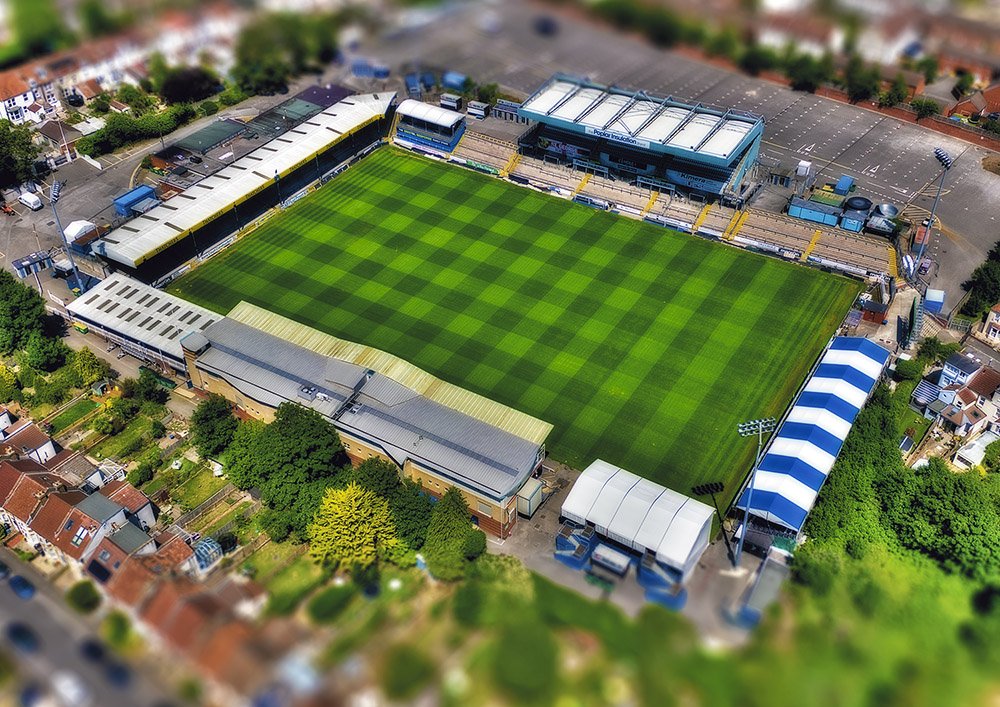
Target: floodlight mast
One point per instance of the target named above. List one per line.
(62, 234)
(748, 429)
(946, 161)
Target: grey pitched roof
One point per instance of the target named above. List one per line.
(372, 407)
(129, 538)
(98, 507)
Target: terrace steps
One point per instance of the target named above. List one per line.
(511, 163)
(701, 218)
(653, 196)
(812, 245)
(582, 184)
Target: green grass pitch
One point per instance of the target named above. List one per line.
(642, 346)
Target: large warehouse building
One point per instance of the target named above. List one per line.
(437, 433)
(160, 240)
(661, 143)
(805, 447)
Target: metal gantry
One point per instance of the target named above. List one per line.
(748, 429)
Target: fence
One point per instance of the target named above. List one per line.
(206, 505)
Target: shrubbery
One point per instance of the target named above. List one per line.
(325, 607)
(83, 597)
(122, 130)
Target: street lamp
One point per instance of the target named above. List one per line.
(748, 429)
(53, 198)
(946, 162)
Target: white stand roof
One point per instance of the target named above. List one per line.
(640, 514)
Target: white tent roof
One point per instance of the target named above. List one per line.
(639, 514)
(160, 227)
(429, 113)
(76, 229)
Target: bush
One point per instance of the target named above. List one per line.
(909, 370)
(525, 662)
(330, 603)
(83, 597)
(117, 630)
(474, 544)
(815, 567)
(142, 474)
(407, 671)
(208, 108)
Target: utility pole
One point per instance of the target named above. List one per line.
(748, 429)
(946, 161)
(62, 234)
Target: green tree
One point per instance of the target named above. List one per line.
(45, 353)
(910, 370)
(928, 66)
(241, 463)
(806, 73)
(964, 83)
(525, 662)
(9, 388)
(896, 94)
(188, 84)
(406, 672)
(449, 527)
(379, 476)
(89, 367)
(83, 597)
(148, 388)
(933, 350)
(213, 425)
(207, 108)
(411, 512)
(135, 98)
(662, 27)
(98, 21)
(860, 81)
(984, 285)
(925, 107)
(17, 154)
(724, 43)
(352, 529)
(757, 59)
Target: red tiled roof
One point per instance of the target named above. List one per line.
(159, 611)
(12, 471)
(125, 494)
(171, 550)
(187, 628)
(229, 656)
(29, 436)
(985, 382)
(27, 494)
(89, 89)
(966, 396)
(113, 563)
(51, 516)
(132, 580)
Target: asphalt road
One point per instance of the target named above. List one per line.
(890, 160)
(60, 634)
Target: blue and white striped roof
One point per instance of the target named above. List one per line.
(806, 445)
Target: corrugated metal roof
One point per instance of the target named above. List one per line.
(161, 227)
(271, 368)
(395, 368)
(137, 311)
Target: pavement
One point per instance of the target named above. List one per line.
(60, 633)
(714, 589)
(891, 161)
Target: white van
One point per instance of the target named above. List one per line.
(30, 200)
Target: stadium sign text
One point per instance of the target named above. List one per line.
(617, 137)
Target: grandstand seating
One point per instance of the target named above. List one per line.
(485, 150)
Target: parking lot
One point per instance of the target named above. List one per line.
(891, 161)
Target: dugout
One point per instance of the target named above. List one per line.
(156, 243)
(428, 125)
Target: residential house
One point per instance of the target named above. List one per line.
(115, 549)
(972, 454)
(959, 369)
(991, 327)
(73, 524)
(24, 439)
(886, 40)
(60, 137)
(105, 473)
(24, 483)
(138, 508)
(808, 32)
(963, 399)
(6, 419)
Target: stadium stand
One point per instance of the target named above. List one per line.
(661, 143)
(426, 126)
(483, 153)
(160, 240)
(802, 452)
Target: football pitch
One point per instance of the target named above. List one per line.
(642, 346)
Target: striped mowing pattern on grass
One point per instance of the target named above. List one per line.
(642, 346)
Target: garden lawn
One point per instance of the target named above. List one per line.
(71, 414)
(197, 488)
(642, 346)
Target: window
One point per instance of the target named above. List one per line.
(77, 540)
(69, 524)
(104, 556)
(485, 509)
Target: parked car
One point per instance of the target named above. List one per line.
(22, 587)
(22, 637)
(118, 674)
(4, 571)
(93, 650)
(70, 689)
